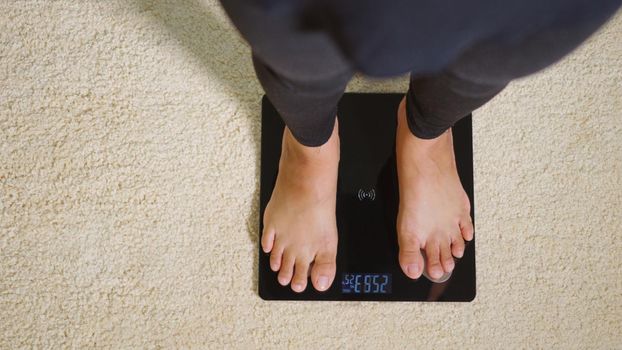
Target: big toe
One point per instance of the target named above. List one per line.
(411, 261)
(323, 271)
(410, 258)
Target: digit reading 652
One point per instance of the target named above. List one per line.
(365, 283)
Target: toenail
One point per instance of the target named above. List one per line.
(297, 287)
(322, 282)
(412, 269)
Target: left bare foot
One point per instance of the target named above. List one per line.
(434, 211)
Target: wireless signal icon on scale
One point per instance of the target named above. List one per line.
(363, 195)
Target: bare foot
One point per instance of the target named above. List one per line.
(300, 228)
(434, 211)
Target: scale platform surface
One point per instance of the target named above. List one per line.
(367, 203)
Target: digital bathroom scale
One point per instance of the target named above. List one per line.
(367, 202)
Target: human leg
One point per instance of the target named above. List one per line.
(434, 102)
(307, 107)
(301, 70)
(434, 213)
(304, 76)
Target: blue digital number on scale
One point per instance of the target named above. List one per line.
(366, 283)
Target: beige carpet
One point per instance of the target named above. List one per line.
(129, 148)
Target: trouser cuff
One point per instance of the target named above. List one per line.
(417, 122)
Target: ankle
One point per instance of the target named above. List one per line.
(438, 150)
(328, 151)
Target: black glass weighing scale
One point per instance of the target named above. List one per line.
(367, 202)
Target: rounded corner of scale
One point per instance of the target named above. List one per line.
(472, 297)
(263, 295)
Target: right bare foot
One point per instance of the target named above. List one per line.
(300, 227)
(434, 216)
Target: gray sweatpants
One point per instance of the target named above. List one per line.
(304, 73)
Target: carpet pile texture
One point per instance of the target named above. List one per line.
(129, 184)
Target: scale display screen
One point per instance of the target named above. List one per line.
(366, 283)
